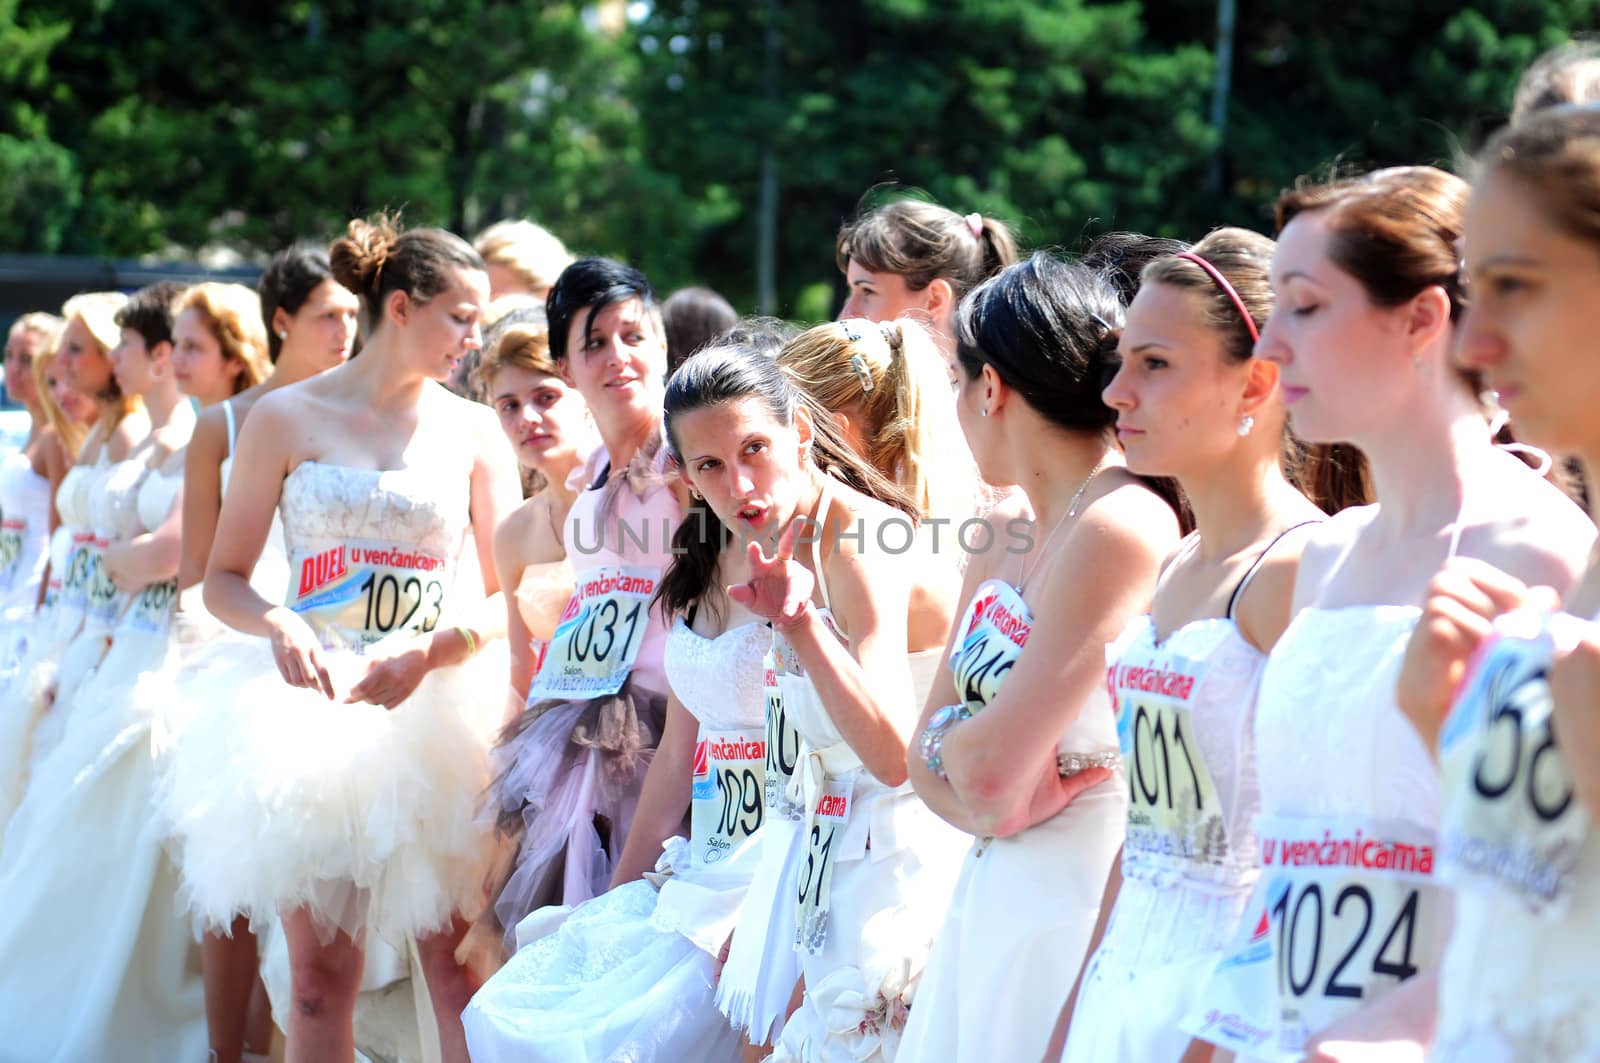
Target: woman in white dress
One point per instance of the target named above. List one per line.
(1518, 841)
(341, 796)
(1193, 403)
(870, 869)
(1339, 946)
(310, 326)
(884, 389)
(83, 840)
(28, 479)
(87, 337)
(630, 974)
(1018, 749)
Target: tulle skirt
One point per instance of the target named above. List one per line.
(566, 785)
(25, 700)
(277, 798)
(101, 963)
(607, 983)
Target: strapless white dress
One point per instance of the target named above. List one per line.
(1025, 906)
(25, 699)
(630, 974)
(280, 798)
(82, 852)
(24, 549)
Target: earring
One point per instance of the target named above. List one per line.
(695, 495)
(1245, 424)
(986, 411)
(283, 334)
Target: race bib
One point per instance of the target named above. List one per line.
(105, 601)
(80, 565)
(783, 743)
(825, 820)
(1343, 913)
(1174, 815)
(151, 611)
(728, 795)
(596, 642)
(360, 592)
(1510, 820)
(12, 531)
(997, 629)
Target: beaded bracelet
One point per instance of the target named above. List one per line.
(931, 741)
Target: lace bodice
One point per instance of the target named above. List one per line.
(324, 504)
(1330, 738)
(1222, 705)
(719, 679)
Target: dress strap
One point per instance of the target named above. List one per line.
(688, 617)
(233, 426)
(823, 506)
(1255, 566)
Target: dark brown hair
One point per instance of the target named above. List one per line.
(923, 242)
(375, 258)
(1333, 476)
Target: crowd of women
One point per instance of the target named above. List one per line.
(1170, 652)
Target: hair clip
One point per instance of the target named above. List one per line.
(1102, 322)
(859, 364)
(851, 332)
(974, 225)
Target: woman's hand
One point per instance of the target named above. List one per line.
(779, 588)
(297, 652)
(392, 674)
(115, 558)
(1463, 601)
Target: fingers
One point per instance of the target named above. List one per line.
(786, 541)
(1078, 782)
(1481, 585)
(742, 593)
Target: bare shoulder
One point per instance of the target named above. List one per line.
(1324, 543)
(1129, 517)
(1536, 534)
(525, 538)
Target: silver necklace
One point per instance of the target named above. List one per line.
(1072, 511)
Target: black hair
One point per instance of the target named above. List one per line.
(375, 258)
(693, 317)
(726, 373)
(150, 311)
(287, 282)
(591, 284)
(1049, 329)
(765, 335)
(1122, 256)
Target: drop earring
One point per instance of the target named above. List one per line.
(986, 411)
(1245, 424)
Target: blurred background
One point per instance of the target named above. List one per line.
(718, 142)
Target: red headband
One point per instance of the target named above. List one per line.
(1227, 289)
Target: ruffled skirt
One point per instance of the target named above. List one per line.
(606, 984)
(566, 784)
(100, 961)
(25, 701)
(277, 798)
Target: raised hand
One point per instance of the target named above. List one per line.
(1463, 601)
(779, 588)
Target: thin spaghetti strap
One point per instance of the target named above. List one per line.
(1255, 566)
(1455, 533)
(823, 506)
(233, 428)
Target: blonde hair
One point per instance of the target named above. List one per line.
(528, 250)
(234, 314)
(893, 374)
(98, 312)
(70, 432)
(37, 323)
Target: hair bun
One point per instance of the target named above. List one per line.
(359, 256)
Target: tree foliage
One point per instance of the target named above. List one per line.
(142, 127)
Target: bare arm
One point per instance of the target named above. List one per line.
(202, 495)
(149, 558)
(998, 760)
(664, 797)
